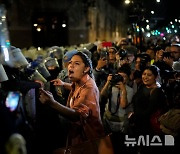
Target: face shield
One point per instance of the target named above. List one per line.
(40, 66)
(43, 70)
(3, 75)
(56, 52)
(16, 59)
(51, 63)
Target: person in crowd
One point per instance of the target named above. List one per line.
(49, 124)
(123, 42)
(151, 53)
(175, 51)
(56, 52)
(106, 65)
(141, 61)
(131, 53)
(93, 48)
(149, 102)
(121, 58)
(83, 100)
(52, 66)
(165, 66)
(158, 55)
(8, 124)
(63, 76)
(18, 80)
(148, 99)
(176, 66)
(118, 97)
(170, 121)
(168, 61)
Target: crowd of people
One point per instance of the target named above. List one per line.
(115, 87)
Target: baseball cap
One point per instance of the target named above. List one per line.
(68, 55)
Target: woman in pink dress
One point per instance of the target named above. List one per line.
(83, 102)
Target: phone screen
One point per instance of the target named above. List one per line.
(12, 100)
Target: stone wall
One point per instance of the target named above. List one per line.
(86, 22)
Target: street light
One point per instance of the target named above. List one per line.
(127, 1)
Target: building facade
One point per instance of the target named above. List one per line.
(64, 22)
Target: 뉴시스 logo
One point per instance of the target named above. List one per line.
(149, 141)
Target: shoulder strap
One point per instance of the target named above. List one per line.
(117, 102)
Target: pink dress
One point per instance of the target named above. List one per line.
(85, 100)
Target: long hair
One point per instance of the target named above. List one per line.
(88, 63)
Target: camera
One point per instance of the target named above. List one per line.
(122, 53)
(167, 55)
(116, 78)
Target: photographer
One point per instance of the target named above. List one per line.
(141, 61)
(118, 95)
(175, 51)
(166, 73)
(121, 57)
(106, 64)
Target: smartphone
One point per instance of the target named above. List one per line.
(12, 100)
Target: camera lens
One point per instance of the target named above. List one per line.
(116, 78)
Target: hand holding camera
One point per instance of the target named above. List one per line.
(116, 78)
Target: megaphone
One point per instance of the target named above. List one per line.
(36, 76)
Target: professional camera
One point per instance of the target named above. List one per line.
(116, 78)
(122, 53)
(167, 55)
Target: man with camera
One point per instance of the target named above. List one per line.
(141, 61)
(117, 96)
(106, 64)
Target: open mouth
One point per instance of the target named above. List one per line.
(70, 73)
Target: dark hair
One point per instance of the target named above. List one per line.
(144, 57)
(154, 69)
(125, 68)
(87, 61)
